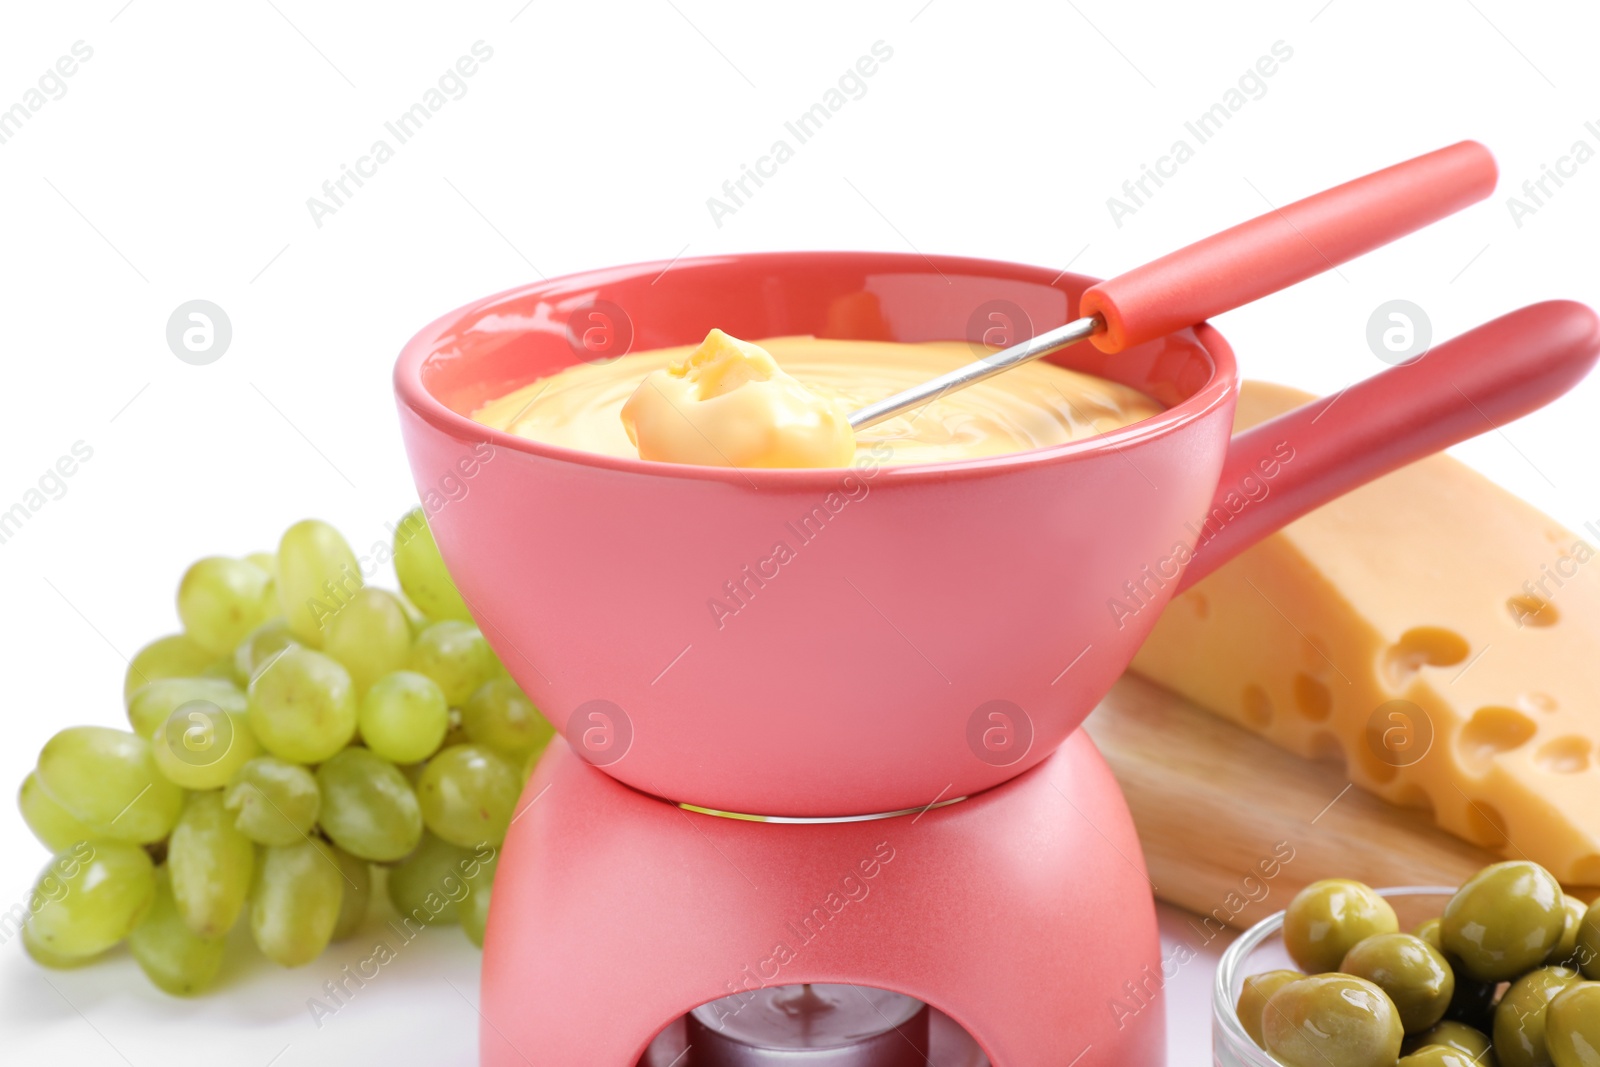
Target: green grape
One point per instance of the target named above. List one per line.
(355, 896)
(455, 655)
(296, 902)
(429, 885)
(302, 706)
(500, 715)
(317, 575)
(258, 649)
(468, 795)
(151, 705)
(475, 915)
(174, 957)
(224, 670)
(422, 572)
(202, 746)
(475, 909)
(108, 779)
(370, 635)
(274, 802)
(211, 864)
(173, 656)
(404, 717)
(268, 562)
(368, 808)
(220, 600)
(89, 897)
(414, 616)
(45, 958)
(54, 826)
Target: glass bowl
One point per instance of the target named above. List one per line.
(1260, 948)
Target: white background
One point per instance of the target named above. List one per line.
(178, 164)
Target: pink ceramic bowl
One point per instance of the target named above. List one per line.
(929, 631)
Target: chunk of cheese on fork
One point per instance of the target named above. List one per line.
(1439, 635)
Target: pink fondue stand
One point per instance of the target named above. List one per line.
(904, 692)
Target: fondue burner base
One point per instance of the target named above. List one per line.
(1021, 915)
(948, 1046)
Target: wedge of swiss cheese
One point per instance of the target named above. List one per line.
(1435, 633)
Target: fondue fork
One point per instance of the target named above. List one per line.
(1238, 265)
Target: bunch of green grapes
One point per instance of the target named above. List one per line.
(302, 734)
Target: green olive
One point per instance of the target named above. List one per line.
(1504, 921)
(1429, 932)
(1332, 1019)
(1573, 911)
(1519, 1021)
(1253, 996)
(1438, 1056)
(1326, 919)
(1459, 1036)
(1411, 971)
(1572, 1026)
(1587, 951)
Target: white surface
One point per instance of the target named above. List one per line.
(1191, 960)
(178, 163)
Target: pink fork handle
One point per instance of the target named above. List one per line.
(1459, 389)
(1286, 245)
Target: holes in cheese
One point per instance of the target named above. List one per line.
(1537, 702)
(1432, 632)
(1564, 755)
(1485, 825)
(1491, 733)
(1423, 646)
(1586, 871)
(1530, 610)
(1312, 698)
(1414, 798)
(1376, 763)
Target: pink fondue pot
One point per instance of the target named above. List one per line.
(845, 642)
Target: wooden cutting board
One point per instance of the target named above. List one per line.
(1233, 827)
